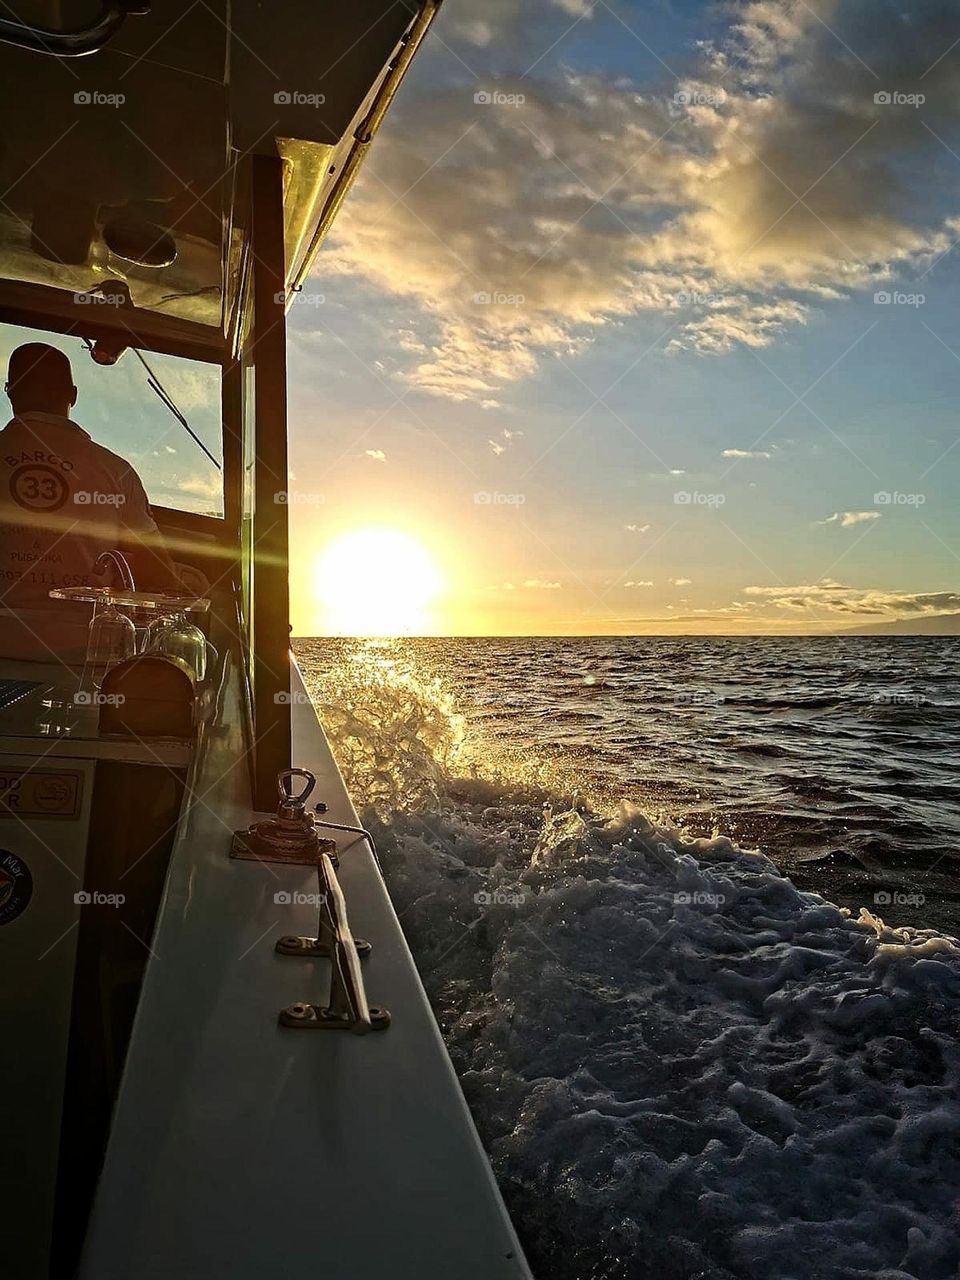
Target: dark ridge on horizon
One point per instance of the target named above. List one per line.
(939, 624)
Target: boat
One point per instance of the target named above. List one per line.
(218, 1060)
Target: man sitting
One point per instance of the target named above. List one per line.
(64, 499)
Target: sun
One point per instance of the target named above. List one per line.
(377, 582)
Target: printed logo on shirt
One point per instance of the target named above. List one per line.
(38, 488)
(16, 886)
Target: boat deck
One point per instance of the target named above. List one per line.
(240, 1149)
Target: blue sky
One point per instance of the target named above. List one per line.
(118, 409)
(602, 326)
(658, 248)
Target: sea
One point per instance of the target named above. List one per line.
(686, 909)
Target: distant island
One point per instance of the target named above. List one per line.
(939, 624)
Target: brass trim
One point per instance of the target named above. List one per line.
(364, 134)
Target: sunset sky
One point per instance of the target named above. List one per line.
(641, 317)
(681, 215)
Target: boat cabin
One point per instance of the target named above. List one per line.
(172, 927)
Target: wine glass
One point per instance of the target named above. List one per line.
(175, 636)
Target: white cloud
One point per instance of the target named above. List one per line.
(376, 454)
(681, 582)
(830, 597)
(500, 19)
(596, 200)
(206, 487)
(638, 584)
(847, 519)
(502, 442)
(539, 584)
(746, 453)
(637, 528)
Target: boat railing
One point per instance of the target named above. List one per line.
(347, 1008)
(293, 838)
(78, 41)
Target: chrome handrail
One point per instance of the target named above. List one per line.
(79, 41)
(347, 1009)
(348, 995)
(120, 563)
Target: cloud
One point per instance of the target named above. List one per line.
(735, 214)
(376, 454)
(847, 519)
(637, 528)
(538, 584)
(681, 582)
(638, 584)
(830, 597)
(746, 453)
(202, 486)
(492, 20)
(502, 442)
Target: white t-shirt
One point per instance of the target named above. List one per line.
(63, 501)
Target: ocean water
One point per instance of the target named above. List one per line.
(685, 911)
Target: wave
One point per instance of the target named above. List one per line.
(679, 1063)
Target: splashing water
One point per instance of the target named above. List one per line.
(680, 1065)
(396, 737)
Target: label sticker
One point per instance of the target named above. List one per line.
(38, 488)
(16, 886)
(39, 793)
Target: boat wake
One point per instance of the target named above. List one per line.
(679, 1064)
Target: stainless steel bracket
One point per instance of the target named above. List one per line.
(320, 947)
(347, 1008)
(292, 836)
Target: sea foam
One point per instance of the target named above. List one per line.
(681, 1066)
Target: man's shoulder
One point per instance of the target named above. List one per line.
(119, 468)
(71, 441)
(112, 461)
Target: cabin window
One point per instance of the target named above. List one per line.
(117, 407)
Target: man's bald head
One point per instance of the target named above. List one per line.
(40, 380)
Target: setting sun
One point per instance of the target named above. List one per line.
(377, 582)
